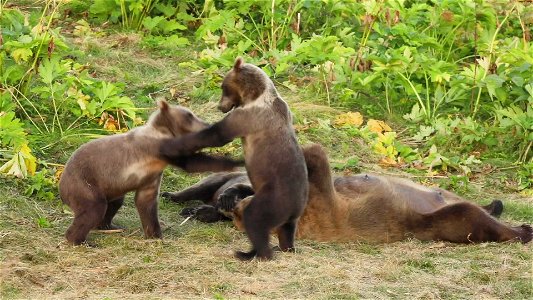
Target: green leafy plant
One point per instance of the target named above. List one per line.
(44, 92)
(131, 13)
(520, 124)
(525, 177)
(43, 186)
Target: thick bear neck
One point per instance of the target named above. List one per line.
(265, 99)
(150, 131)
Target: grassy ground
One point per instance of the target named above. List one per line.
(195, 260)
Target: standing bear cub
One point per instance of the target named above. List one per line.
(101, 172)
(263, 121)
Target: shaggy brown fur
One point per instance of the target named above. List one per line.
(101, 172)
(271, 153)
(375, 209)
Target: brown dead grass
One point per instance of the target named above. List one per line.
(195, 261)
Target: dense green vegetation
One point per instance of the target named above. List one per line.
(454, 76)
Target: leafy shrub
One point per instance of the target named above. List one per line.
(43, 91)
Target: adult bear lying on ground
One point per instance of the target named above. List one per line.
(102, 171)
(375, 209)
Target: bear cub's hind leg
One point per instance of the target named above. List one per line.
(258, 226)
(85, 219)
(286, 235)
(112, 209)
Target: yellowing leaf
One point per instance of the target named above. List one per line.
(484, 62)
(58, 173)
(388, 162)
(81, 99)
(21, 54)
(21, 164)
(110, 123)
(29, 160)
(138, 121)
(380, 149)
(173, 91)
(377, 126)
(82, 102)
(103, 118)
(349, 118)
(387, 138)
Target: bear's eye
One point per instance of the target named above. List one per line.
(190, 115)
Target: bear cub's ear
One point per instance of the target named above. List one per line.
(238, 63)
(163, 105)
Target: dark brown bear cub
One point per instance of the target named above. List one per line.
(101, 172)
(274, 160)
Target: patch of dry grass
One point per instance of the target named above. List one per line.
(195, 261)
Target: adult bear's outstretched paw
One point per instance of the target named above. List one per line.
(228, 200)
(526, 233)
(203, 213)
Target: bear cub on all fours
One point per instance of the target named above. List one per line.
(102, 171)
(274, 161)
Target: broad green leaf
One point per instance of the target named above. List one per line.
(529, 89)
(493, 82)
(151, 23)
(423, 133)
(11, 130)
(369, 79)
(47, 70)
(123, 103)
(171, 25)
(501, 94)
(176, 41)
(519, 81)
(25, 39)
(105, 91)
(136, 7)
(415, 115)
(184, 17)
(102, 6)
(13, 74)
(6, 103)
(167, 10)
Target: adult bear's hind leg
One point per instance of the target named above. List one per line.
(495, 208)
(464, 222)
